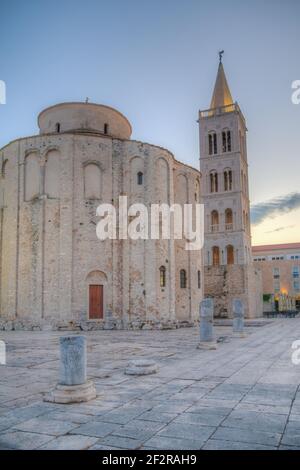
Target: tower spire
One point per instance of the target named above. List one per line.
(221, 95)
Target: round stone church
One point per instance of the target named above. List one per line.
(54, 271)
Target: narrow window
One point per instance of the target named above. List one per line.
(226, 141)
(230, 180)
(212, 143)
(216, 256)
(214, 184)
(295, 271)
(215, 143)
(276, 273)
(214, 221)
(199, 279)
(225, 181)
(162, 276)
(57, 127)
(228, 219)
(183, 278)
(105, 128)
(140, 178)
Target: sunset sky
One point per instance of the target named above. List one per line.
(156, 61)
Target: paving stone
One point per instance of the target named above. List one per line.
(217, 444)
(95, 429)
(70, 443)
(46, 426)
(193, 432)
(203, 417)
(121, 416)
(157, 416)
(269, 422)
(6, 423)
(103, 447)
(121, 442)
(247, 435)
(171, 443)
(79, 418)
(23, 440)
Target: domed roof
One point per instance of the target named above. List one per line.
(84, 118)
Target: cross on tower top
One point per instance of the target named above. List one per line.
(221, 55)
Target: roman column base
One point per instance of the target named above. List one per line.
(141, 367)
(72, 393)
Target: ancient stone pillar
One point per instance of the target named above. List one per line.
(207, 338)
(73, 386)
(238, 317)
(72, 367)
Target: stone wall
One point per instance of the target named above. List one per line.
(224, 283)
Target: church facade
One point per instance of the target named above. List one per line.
(54, 270)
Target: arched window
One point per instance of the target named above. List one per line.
(215, 221)
(199, 279)
(230, 254)
(212, 143)
(57, 127)
(183, 278)
(216, 256)
(162, 276)
(228, 219)
(226, 141)
(140, 178)
(228, 180)
(214, 184)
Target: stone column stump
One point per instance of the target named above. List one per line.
(73, 386)
(238, 318)
(141, 367)
(207, 338)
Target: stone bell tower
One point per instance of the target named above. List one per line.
(229, 271)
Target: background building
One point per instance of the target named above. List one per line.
(53, 268)
(229, 271)
(280, 267)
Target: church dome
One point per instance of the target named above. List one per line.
(84, 118)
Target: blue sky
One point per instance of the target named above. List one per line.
(156, 61)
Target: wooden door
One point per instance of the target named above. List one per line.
(95, 302)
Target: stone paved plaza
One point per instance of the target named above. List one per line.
(244, 395)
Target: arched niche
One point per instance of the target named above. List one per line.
(32, 183)
(162, 180)
(92, 180)
(52, 174)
